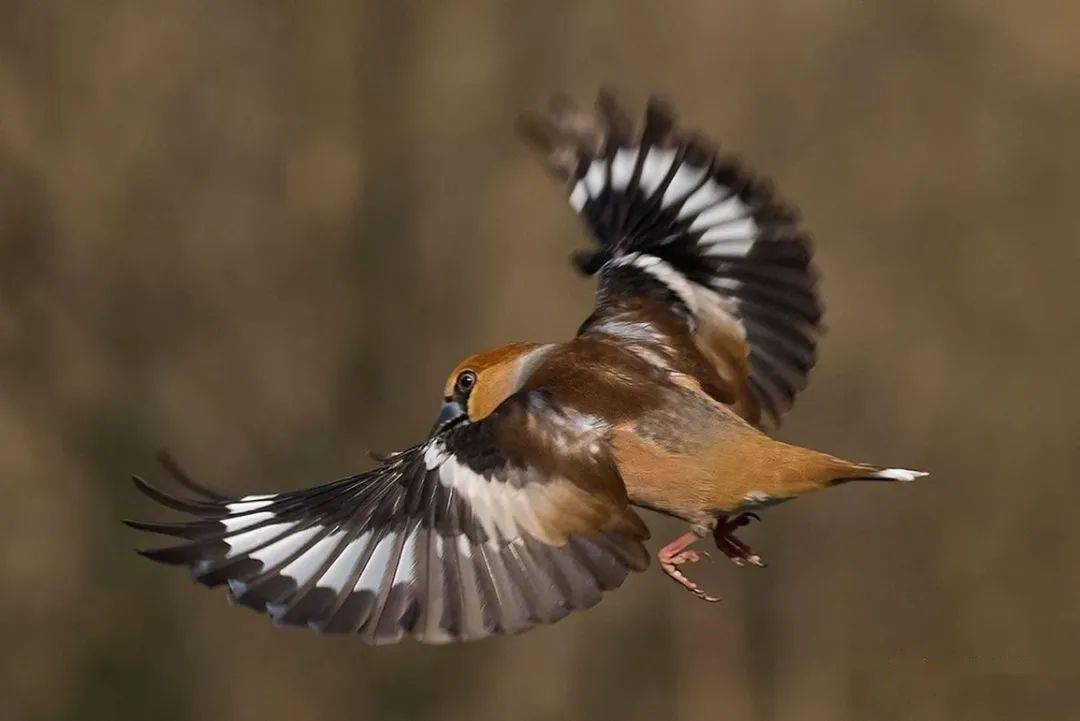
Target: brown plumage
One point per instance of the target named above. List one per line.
(518, 509)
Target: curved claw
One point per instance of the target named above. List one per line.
(706, 597)
(676, 554)
(739, 553)
(743, 519)
(673, 572)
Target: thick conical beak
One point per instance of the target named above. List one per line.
(450, 413)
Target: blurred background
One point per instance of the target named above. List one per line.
(261, 234)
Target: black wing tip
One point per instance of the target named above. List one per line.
(660, 120)
(192, 531)
(534, 129)
(174, 469)
(589, 262)
(171, 555)
(169, 501)
(145, 526)
(618, 126)
(561, 102)
(661, 106)
(148, 490)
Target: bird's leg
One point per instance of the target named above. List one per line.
(676, 554)
(724, 533)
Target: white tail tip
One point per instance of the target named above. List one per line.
(900, 474)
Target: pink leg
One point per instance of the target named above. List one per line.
(739, 553)
(676, 554)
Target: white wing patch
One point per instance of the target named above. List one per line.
(406, 569)
(244, 542)
(337, 575)
(246, 520)
(720, 213)
(279, 550)
(737, 230)
(710, 192)
(485, 497)
(684, 180)
(664, 272)
(250, 503)
(579, 196)
(725, 220)
(505, 511)
(730, 248)
(304, 566)
(371, 578)
(622, 168)
(654, 169)
(595, 179)
(434, 455)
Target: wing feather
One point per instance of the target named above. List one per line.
(472, 533)
(713, 247)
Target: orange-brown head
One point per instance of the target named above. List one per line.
(481, 382)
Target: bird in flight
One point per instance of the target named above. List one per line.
(519, 507)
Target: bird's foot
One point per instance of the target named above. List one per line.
(678, 553)
(739, 553)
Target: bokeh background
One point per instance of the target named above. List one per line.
(261, 233)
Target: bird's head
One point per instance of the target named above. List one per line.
(481, 382)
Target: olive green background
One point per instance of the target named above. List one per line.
(262, 233)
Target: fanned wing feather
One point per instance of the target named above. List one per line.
(693, 245)
(470, 534)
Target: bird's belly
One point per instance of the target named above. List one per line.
(707, 474)
(677, 484)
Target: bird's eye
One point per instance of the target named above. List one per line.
(465, 381)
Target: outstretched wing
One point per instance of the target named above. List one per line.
(481, 530)
(700, 267)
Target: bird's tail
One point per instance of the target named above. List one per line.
(825, 470)
(895, 474)
(798, 471)
(863, 472)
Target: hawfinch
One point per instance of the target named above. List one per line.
(519, 508)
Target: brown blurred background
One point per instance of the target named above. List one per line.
(261, 233)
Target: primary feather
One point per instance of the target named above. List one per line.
(666, 206)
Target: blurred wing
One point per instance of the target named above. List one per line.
(700, 268)
(470, 534)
